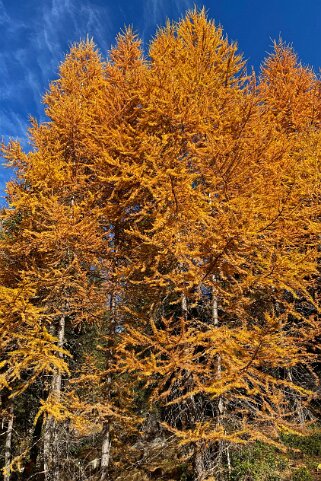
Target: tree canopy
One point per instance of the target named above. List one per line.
(160, 261)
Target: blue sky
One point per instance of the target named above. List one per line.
(36, 34)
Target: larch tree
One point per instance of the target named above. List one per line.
(159, 259)
(53, 235)
(232, 221)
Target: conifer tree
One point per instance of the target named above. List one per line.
(159, 260)
(229, 214)
(56, 242)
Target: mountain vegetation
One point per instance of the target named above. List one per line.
(160, 267)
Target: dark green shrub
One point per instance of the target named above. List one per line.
(302, 474)
(258, 462)
(309, 445)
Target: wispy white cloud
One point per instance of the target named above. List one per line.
(4, 17)
(152, 15)
(157, 11)
(37, 43)
(30, 60)
(96, 23)
(13, 125)
(55, 25)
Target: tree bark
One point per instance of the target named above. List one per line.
(106, 441)
(296, 400)
(105, 452)
(8, 446)
(220, 403)
(199, 468)
(184, 306)
(31, 465)
(51, 434)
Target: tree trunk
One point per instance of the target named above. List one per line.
(51, 434)
(105, 453)
(198, 462)
(8, 446)
(184, 306)
(297, 404)
(220, 402)
(106, 441)
(199, 469)
(47, 453)
(31, 465)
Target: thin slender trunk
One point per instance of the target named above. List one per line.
(105, 452)
(199, 469)
(51, 434)
(8, 446)
(106, 441)
(47, 454)
(31, 465)
(215, 321)
(296, 400)
(198, 457)
(184, 306)
(228, 459)
(220, 403)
